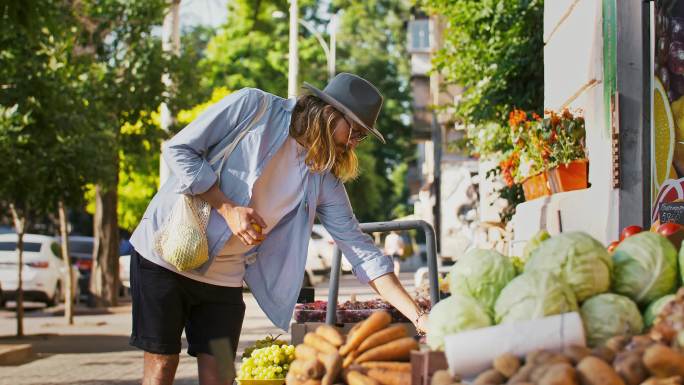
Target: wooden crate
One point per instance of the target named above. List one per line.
(424, 365)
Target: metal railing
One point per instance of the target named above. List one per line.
(373, 227)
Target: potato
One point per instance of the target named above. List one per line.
(441, 377)
(617, 343)
(595, 371)
(522, 376)
(639, 343)
(559, 374)
(533, 356)
(605, 353)
(630, 367)
(507, 364)
(576, 353)
(662, 361)
(490, 377)
(663, 381)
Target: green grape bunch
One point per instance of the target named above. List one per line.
(266, 342)
(267, 363)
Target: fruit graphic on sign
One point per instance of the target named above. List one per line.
(663, 135)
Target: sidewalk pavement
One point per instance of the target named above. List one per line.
(95, 350)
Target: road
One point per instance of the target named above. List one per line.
(95, 350)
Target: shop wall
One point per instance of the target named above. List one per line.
(573, 78)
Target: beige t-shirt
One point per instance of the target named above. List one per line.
(277, 191)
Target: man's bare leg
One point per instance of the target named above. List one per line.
(159, 369)
(207, 367)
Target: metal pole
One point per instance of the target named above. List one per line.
(437, 179)
(170, 43)
(333, 49)
(372, 227)
(330, 314)
(293, 57)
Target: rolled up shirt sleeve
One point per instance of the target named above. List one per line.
(335, 213)
(186, 152)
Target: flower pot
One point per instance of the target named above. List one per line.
(569, 177)
(536, 186)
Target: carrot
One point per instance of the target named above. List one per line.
(383, 336)
(305, 352)
(331, 334)
(389, 377)
(356, 378)
(377, 321)
(392, 351)
(307, 368)
(319, 343)
(333, 364)
(349, 359)
(392, 366)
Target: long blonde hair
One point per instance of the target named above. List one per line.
(313, 122)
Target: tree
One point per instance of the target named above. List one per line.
(371, 43)
(494, 49)
(43, 134)
(125, 67)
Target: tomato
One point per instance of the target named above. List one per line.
(669, 228)
(629, 231)
(612, 246)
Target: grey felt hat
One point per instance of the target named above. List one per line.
(355, 97)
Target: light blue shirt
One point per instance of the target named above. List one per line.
(276, 274)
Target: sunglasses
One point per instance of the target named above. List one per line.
(357, 135)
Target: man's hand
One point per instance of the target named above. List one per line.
(245, 224)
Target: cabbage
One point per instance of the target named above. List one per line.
(609, 315)
(452, 315)
(481, 274)
(579, 259)
(532, 295)
(534, 243)
(655, 308)
(645, 267)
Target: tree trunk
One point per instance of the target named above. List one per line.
(19, 225)
(69, 297)
(104, 280)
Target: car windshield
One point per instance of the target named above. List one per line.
(31, 247)
(80, 247)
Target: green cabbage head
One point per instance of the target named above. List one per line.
(481, 274)
(608, 315)
(645, 267)
(533, 295)
(534, 243)
(655, 308)
(576, 257)
(452, 315)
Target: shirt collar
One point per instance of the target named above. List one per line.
(290, 103)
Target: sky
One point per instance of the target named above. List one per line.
(203, 12)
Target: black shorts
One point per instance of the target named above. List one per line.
(165, 303)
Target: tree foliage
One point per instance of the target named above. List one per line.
(493, 48)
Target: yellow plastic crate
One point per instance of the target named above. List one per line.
(280, 381)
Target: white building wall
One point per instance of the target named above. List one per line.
(573, 78)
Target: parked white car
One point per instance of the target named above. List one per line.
(43, 270)
(320, 252)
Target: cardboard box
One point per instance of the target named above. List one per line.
(299, 330)
(425, 364)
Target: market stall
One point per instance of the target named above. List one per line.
(569, 310)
